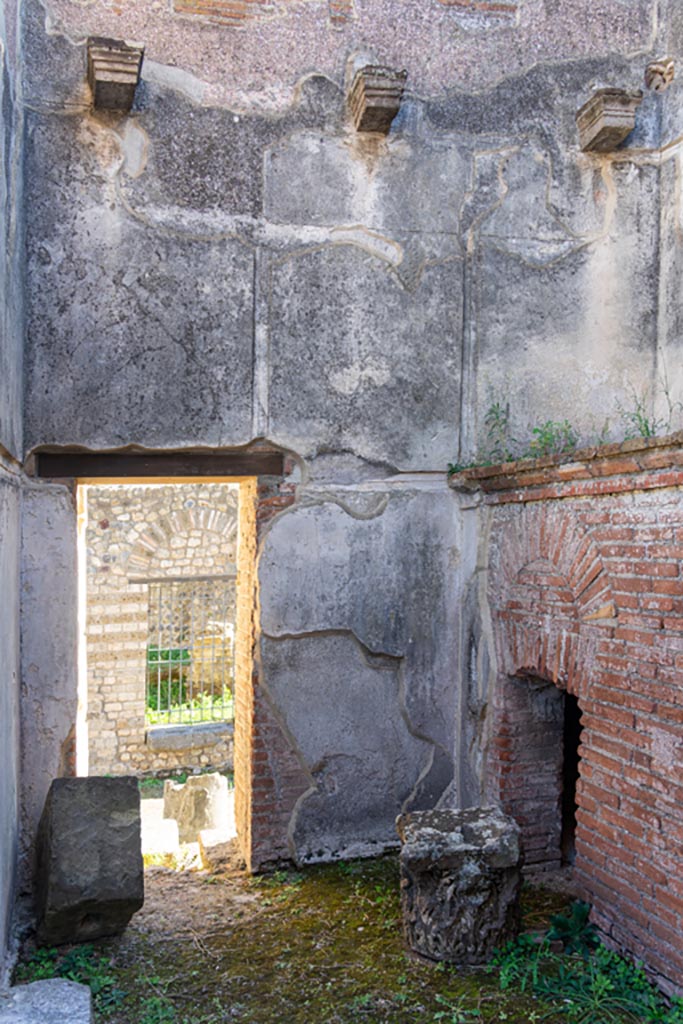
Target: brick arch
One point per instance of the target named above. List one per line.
(150, 548)
(551, 598)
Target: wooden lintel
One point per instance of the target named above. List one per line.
(112, 465)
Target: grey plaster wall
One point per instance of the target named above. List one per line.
(358, 653)
(11, 244)
(11, 386)
(10, 538)
(669, 368)
(49, 632)
(231, 261)
(211, 275)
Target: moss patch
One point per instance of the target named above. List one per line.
(321, 946)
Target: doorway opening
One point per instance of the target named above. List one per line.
(541, 729)
(571, 739)
(158, 594)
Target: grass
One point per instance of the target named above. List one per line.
(319, 946)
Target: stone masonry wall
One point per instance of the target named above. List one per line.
(144, 532)
(583, 564)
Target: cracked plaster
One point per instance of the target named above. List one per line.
(353, 591)
(229, 263)
(259, 63)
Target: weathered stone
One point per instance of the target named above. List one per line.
(460, 882)
(89, 862)
(337, 385)
(219, 850)
(200, 803)
(607, 118)
(659, 74)
(113, 72)
(375, 98)
(53, 1001)
(187, 737)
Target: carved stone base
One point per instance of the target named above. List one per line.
(460, 882)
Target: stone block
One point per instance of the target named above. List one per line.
(607, 118)
(53, 1001)
(113, 72)
(375, 98)
(218, 850)
(460, 882)
(89, 862)
(188, 737)
(659, 74)
(200, 803)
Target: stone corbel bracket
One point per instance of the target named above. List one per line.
(375, 98)
(659, 74)
(113, 72)
(607, 118)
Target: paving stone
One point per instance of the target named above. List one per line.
(54, 1001)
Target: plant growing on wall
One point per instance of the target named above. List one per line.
(500, 445)
(551, 438)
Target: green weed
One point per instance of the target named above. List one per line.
(454, 1011)
(574, 930)
(551, 438)
(82, 964)
(499, 444)
(638, 420)
(586, 984)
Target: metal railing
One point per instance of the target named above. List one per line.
(190, 650)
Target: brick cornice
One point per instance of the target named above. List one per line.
(637, 464)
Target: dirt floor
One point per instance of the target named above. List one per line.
(322, 946)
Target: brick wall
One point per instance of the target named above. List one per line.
(586, 594)
(268, 776)
(483, 6)
(237, 13)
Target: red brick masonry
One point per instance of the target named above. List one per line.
(586, 593)
(268, 777)
(238, 12)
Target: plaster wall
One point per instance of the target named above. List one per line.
(233, 272)
(356, 658)
(11, 242)
(11, 348)
(49, 651)
(10, 540)
(232, 262)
